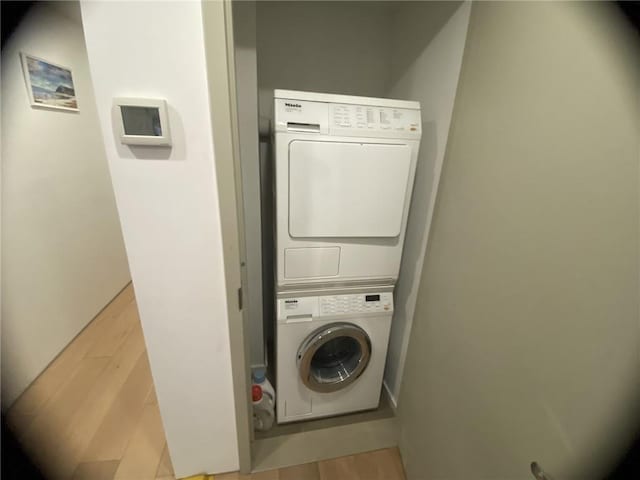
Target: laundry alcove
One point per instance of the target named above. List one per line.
(400, 50)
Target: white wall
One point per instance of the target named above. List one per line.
(525, 341)
(334, 47)
(167, 199)
(63, 258)
(427, 71)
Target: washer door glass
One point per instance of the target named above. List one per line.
(333, 357)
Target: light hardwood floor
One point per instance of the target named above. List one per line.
(93, 414)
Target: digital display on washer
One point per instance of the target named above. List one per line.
(372, 298)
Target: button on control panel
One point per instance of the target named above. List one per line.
(356, 303)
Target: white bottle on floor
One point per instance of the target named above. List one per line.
(263, 411)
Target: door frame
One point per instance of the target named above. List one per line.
(220, 64)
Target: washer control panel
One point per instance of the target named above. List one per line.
(300, 309)
(356, 303)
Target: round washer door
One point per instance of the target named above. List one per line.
(333, 357)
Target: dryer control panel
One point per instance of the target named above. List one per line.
(354, 118)
(342, 115)
(298, 309)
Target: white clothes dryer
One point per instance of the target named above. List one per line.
(344, 171)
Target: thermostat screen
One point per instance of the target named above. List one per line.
(141, 121)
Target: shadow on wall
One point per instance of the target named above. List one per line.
(409, 276)
(332, 47)
(425, 170)
(631, 10)
(421, 29)
(12, 14)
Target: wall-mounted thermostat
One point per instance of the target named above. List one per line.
(143, 121)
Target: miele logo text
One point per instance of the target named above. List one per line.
(292, 105)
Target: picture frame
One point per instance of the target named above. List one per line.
(49, 85)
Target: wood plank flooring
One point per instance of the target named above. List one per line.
(93, 414)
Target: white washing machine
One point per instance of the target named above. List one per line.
(331, 351)
(344, 171)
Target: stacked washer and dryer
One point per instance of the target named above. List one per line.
(344, 170)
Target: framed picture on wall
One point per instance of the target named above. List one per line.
(49, 85)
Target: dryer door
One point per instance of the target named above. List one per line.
(333, 357)
(341, 189)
